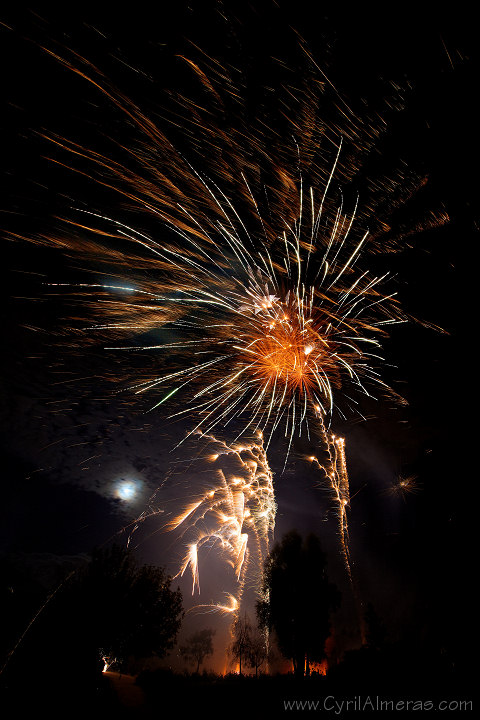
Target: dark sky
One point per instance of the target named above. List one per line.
(69, 439)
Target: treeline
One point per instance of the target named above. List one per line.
(110, 612)
(105, 612)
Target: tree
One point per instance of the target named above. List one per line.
(198, 646)
(111, 608)
(126, 609)
(242, 630)
(257, 651)
(298, 599)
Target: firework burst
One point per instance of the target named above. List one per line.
(264, 331)
(250, 291)
(403, 486)
(250, 286)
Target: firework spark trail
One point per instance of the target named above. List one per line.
(235, 513)
(231, 513)
(334, 470)
(333, 467)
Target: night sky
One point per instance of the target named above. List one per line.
(71, 439)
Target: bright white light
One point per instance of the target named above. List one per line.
(126, 490)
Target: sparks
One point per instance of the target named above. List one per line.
(236, 515)
(261, 306)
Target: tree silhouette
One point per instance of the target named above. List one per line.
(110, 608)
(298, 599)
(257, 651)
(198, 646)
(242, 638)
(127, 609)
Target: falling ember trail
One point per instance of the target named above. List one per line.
(232, 513)
(334, 468)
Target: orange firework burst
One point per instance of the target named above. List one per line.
(267, 331)
(289, 351)
(253, 293)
